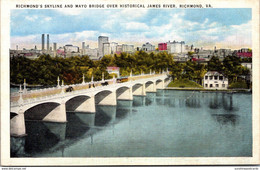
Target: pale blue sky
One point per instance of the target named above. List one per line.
(229, 27)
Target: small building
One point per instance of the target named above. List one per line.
(113, 70)
(148, 47)
(162, 46)
(215, 80)
(71, 48)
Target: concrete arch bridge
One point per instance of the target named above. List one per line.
(52, 104)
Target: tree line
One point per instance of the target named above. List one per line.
(45, 69)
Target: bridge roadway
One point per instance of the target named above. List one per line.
(53, 107)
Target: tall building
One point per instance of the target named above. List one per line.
(42, 42)
(106, 49)
(83, 48)
(119, 49)
(48, 43)
(16, 47)
(54, 46)
(101, 41)
(113, 47)
(128, 48)
(54, 49)
(176, 47)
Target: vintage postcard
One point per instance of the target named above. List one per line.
(129, 82)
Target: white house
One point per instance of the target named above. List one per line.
(148, 47)
(214, 80)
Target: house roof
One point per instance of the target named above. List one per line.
(213, 73)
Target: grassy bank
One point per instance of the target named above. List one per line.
(182, 83)
(208, 90)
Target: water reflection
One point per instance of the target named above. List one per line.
(87, 119)
(225, 102)
(130, 128)
(193, 103)
(224, 119)
(214, 102)
(139, 101)
(39, 137)
(228, 104)
(75, 126)
(105, 115)
(17, 147)
(58, 129)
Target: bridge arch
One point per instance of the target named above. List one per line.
(150, 86)
(159, 84)
(138, 89)
(124, 93)
(78, 103)
(106, 97)
(40, 111)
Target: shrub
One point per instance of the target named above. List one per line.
(238, 85)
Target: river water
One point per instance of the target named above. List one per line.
(168, 123)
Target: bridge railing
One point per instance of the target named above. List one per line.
(54, 92)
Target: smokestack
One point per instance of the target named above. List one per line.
(48, 45)
(42, 42)
(16, 47)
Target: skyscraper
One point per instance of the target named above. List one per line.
(48, 45)
(101, 41)
(42, 42)
(54, 46)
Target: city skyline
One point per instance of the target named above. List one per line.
(224, 28)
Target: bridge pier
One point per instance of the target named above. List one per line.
(57, 115)
(87, 106)
(17, 124)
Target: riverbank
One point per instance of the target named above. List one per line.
(208, 90)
